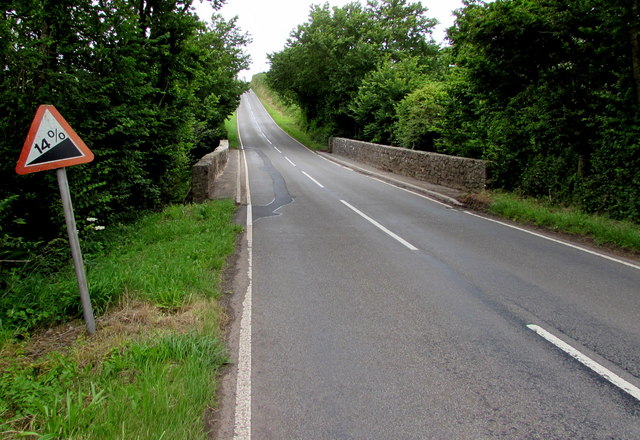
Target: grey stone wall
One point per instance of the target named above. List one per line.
(451, 171)
(205, 171)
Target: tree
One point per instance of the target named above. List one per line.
(327, 58)
(143, 83)
(374, 105)
(420, 117)
(547, 81)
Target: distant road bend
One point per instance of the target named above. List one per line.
(376, 313)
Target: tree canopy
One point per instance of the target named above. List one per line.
(553, 86)
(145, 84)
(327, 58)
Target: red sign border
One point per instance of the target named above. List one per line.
(21, 167)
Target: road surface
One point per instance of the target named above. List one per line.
(376, 313)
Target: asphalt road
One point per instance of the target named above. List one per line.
(380, 314)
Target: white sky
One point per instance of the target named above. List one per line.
(269, 22)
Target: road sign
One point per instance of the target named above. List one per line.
(51, 143)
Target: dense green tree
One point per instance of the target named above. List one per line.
(547, 90)
(374, 105)
(420, 117)
(547, 82)
(145, 84)
(327, 58)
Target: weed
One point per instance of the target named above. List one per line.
(65, 418)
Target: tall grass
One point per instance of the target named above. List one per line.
(168, 386)
(231, 125)
(164, 258)
(148, 373)
(602, 230)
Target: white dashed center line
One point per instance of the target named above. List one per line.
(379, 226)
(313, 180)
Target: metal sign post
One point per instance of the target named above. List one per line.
(53, 145)
(76, 253)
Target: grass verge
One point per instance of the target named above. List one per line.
(287, 117)
(602, 230)
(149, 372)
(231, 124)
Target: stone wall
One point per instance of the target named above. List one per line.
(204, 173)
(451, 171)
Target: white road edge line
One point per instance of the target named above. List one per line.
(379, 226)
(580, 248)
(336, 163)
(242, 426)
(587, 361)
(313, 180)
(289, 160)
(238, 199)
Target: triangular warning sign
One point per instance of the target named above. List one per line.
(51, 143)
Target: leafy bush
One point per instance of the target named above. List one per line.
(147, 86)
(553, 92)
(420, 117)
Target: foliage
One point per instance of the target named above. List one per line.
(374, 105)
(165, 258)
(326, 59)
(548, 91)
(553, 89)
(145, 84)
(420, 116)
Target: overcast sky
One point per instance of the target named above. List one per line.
(269, 22)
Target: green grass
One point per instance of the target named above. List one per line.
(149, 372)
(149, 389)
(164, 258)
(175, 254)
(602, 230)
(170, 390)
(231, 124)
(286, 116)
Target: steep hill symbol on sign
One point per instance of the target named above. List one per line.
(51, 143)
